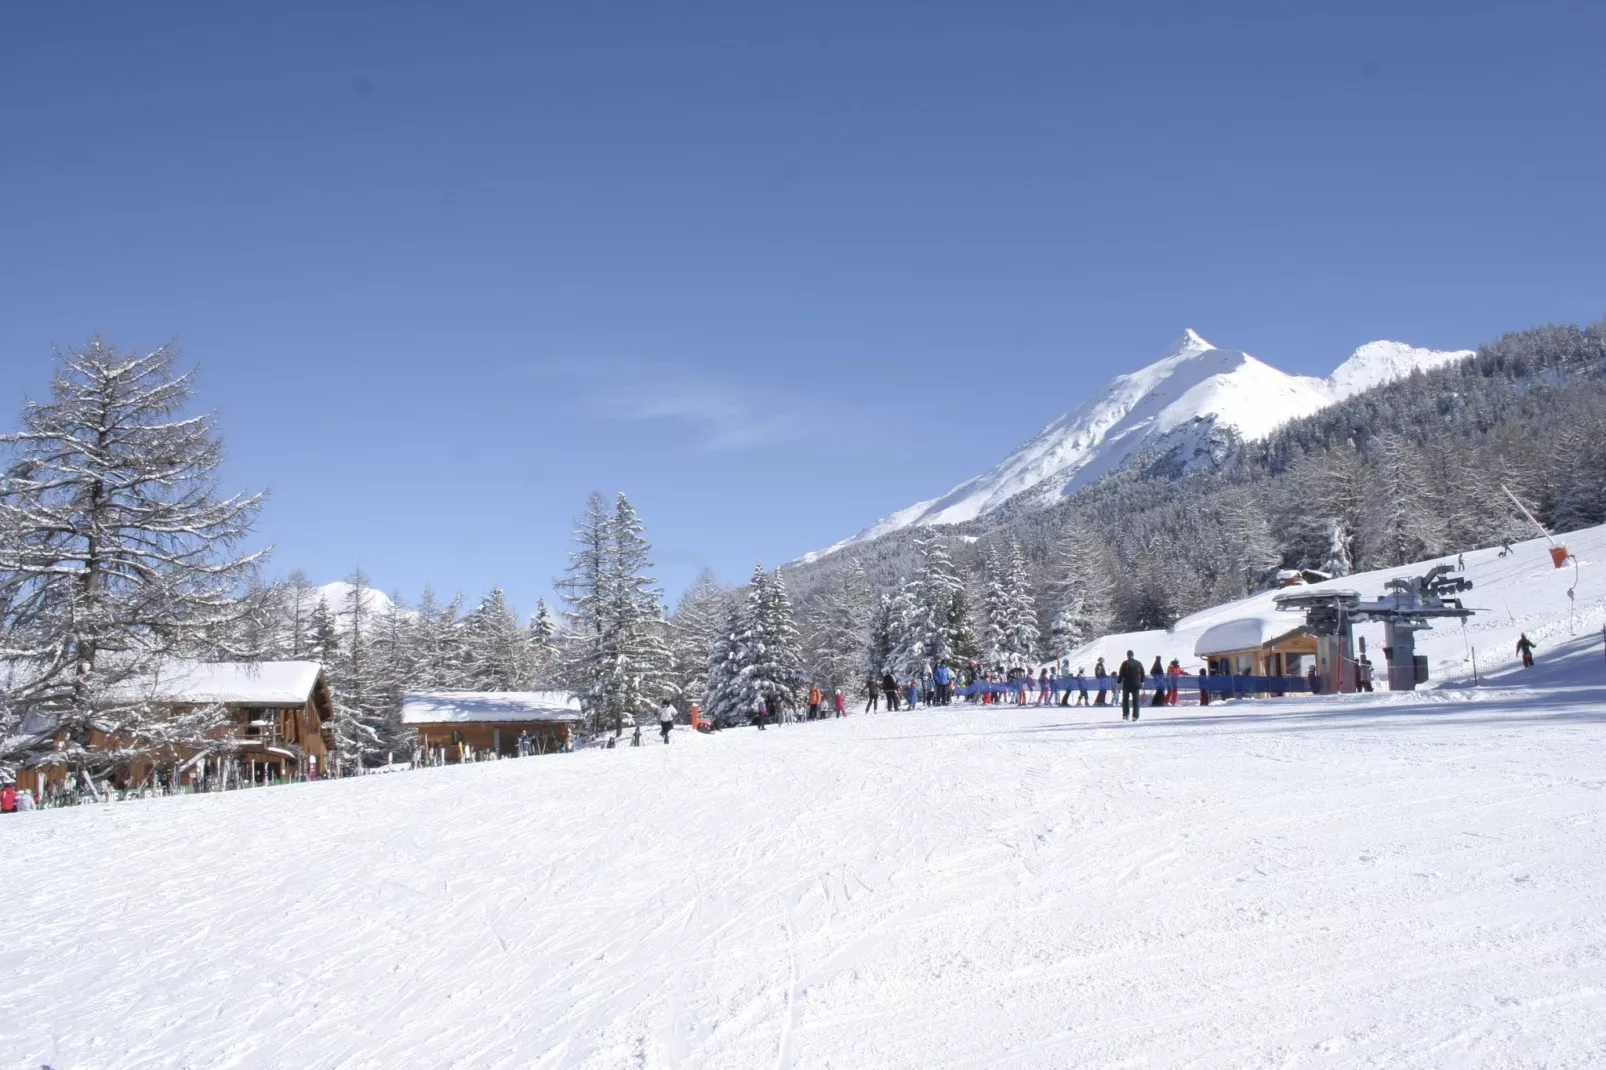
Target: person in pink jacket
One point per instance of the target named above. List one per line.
(840, 703)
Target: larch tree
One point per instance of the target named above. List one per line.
(1078, 586)
(117, 550)
(617, 660)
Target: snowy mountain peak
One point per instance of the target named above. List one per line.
(1180, 405)
(1188, 341)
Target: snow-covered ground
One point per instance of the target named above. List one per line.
(1390, 880)
(1521, 592)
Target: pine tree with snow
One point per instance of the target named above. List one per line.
(838, 631)
(495, 648)
(935, 629)
(1021, 613)
(540, 648)
(361, 716)
(116, 551)
(1079, 587)
(616, 659)
(757, 656)
(694, 629)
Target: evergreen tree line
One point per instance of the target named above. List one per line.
(1406, 471)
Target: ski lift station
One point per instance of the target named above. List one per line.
(1274, 645)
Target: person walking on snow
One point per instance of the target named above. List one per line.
(890, 686)
(873, 690)
(1525, 647)
(913, 691)
(1158, 672)
(1081, 687)
(1101, 675)
(814, 702)
(1130, 676)
(841, 703)
(666, 720)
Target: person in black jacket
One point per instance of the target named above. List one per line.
(889, 687)
(1130, 674)
(1158, 672)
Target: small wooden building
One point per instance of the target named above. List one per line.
(1257, 646)
(457, 726)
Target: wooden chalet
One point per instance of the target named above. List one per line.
(456, 726)
(278, 716)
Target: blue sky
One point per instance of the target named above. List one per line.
(448, 268)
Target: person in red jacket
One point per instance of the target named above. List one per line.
(8, 798)
(1174, 675)
(841, 703)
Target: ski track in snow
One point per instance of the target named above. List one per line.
(1411, 881)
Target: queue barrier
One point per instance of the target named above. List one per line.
(1215, 685)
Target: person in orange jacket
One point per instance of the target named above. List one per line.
(814, 702)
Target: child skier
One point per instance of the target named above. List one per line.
(1525, 647)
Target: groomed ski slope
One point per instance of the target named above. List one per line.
(1385, 880)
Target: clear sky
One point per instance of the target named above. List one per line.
(773, 270)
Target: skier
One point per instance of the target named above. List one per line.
(758, 714)
(635, 736)
(841, 703)
(1100, 674)
(1204, 690)
(1460, 562)
(814, 702)
(1158, 672)
(873, 690)
(945, 682)
(666, 720)
(8, 798)
(1525, 647)
(912, 690)
(890, 687)
(1130, 675)
(1315, 681)
(1044, 695)
(1174, 672)
(1081, 687)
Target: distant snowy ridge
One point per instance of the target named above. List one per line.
(1178, 405)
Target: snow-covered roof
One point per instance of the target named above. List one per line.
(233, 683)
(1245, 633)
(468, 707)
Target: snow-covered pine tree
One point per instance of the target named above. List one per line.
(936, 631)
(495, 647)
(777, 671)
(1078, 586)
(540, 650)
(725, 697)
(838, 631)
(1021, 635)
(360, 714)
(995, 608)
(1400, 524)
(617, 660)
(882, 637)
(694, 628)
(116, 550)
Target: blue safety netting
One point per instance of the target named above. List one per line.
(1215, 685)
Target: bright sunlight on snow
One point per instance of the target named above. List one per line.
(1389, 879)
